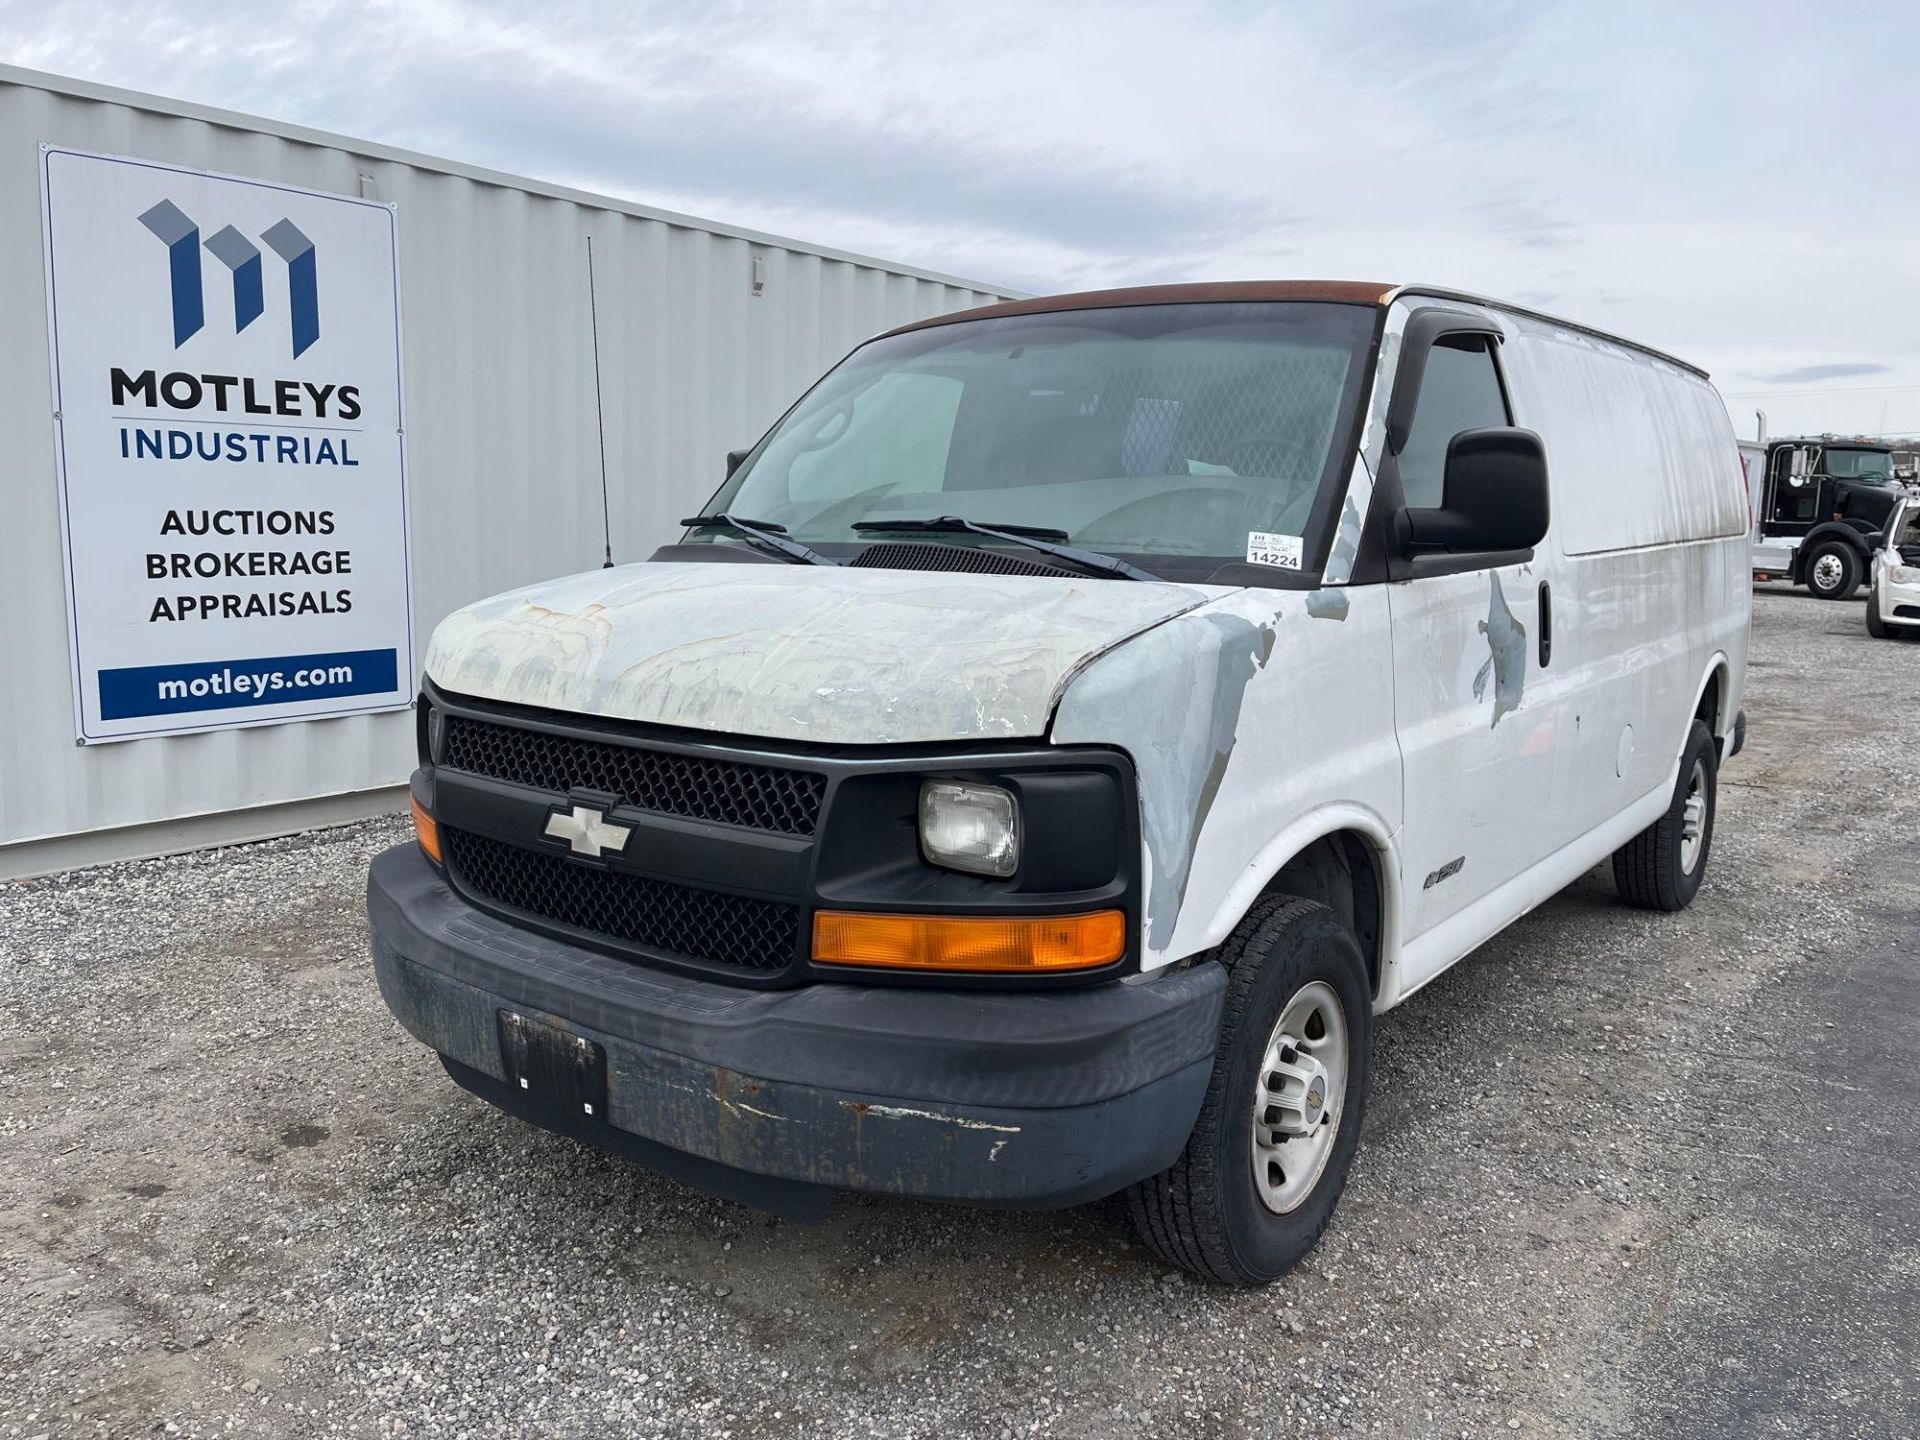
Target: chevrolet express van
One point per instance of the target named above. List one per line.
(1059, 738)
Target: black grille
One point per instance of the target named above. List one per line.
(730, 930)
(903, 555)
(760, 797)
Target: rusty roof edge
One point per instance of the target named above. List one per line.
(1441, 292)
(1348, 292)
(1344, 292)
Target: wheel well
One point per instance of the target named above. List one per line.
(1342, 872)
(1708, 710)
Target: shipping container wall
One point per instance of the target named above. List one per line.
(501, 446)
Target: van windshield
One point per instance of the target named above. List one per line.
(1178, 436)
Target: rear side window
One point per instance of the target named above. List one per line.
(1459, 391)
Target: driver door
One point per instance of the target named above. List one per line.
(1475, 759)
(1791, 508)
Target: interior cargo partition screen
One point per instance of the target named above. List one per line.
(227, 411)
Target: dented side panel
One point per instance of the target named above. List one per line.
(1519, 774)
(1419, 713)
(1478, 732)
(1250, 721)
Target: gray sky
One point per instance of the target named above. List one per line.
(1735, 183)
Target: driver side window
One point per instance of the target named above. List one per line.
(1459, 391)
(1795, 492)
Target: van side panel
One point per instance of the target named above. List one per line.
(1261, 718)
(1651, 545)
(1641, 452)
(1647, 561)
(1265, 718)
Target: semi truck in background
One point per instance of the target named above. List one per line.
(1819, 504)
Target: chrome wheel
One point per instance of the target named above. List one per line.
(1693, 818)
(1828, 571)
(1299, 1096)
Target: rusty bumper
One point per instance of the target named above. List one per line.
(779, 1098)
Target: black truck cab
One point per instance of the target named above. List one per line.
(1823, 503)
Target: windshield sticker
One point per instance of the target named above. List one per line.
(1268, 549)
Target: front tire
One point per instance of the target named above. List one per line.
(1269, 1155)
(1833, 571)
(1876, 627)
(1661, 868)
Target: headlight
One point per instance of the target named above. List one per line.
(975, 828)
(1903, 574)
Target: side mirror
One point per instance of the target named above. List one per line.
(734, 457)
(1494, 497)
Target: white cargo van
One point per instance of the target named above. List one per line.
(1062, 734)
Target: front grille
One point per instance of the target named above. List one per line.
(731, 792)
(732, 930)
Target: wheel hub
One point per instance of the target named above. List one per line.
(1297, 1097)
(1827, 571)
(1693, 818)
(1296, 1088)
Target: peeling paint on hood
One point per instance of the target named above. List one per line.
(798, 652)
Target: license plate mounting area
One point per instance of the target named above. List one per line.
(554, 1066)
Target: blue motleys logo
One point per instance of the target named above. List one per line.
(181, 235)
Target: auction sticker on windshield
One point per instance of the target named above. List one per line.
(226, 357)
(1265, 548)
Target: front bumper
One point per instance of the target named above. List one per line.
(1899, 604)
(778, 1098)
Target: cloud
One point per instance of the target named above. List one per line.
(1839, 371)
(1615, 163)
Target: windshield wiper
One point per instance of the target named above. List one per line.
(764, 534)
(1034, 537)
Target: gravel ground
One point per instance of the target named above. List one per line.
(1624, 1175)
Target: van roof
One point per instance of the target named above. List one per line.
(1340, 292)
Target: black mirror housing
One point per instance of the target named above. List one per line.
(734, 457)
(1494, 497)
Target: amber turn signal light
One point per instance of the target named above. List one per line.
(426, 830)
(1001, 945)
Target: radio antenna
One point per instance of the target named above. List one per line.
(599, 411)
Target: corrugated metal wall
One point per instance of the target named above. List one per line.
(495, 328)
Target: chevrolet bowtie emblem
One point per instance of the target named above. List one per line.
(587, 831)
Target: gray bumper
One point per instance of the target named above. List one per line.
(990, 1097)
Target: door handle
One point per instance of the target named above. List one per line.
(1546, 624)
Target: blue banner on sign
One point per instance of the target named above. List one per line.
(230, 684)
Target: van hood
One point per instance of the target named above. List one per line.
(841, 656)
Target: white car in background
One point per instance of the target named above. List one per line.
(1893, 596)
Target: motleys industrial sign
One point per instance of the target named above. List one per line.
(226, 359)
